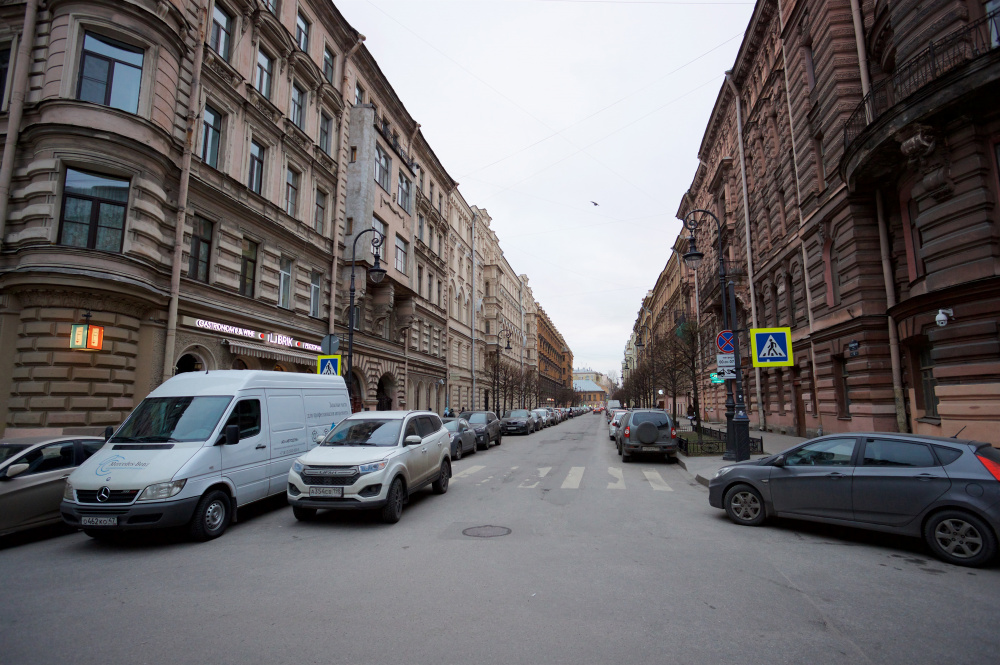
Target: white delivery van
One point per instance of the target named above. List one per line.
(201, 445)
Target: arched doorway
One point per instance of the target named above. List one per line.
(385, 393)
(189, 363)
(239, 363)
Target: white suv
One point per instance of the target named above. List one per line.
(372, 459)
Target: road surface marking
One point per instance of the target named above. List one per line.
(542, 472)
(619, 484)
(468, 472)
(573, 478)
(656, 480)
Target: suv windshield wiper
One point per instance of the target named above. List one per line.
(156, 439)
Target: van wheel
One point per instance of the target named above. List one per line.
(211, 517)
(440, 486)
(304, 514)
(393, 508)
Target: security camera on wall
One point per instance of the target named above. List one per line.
(942, 317)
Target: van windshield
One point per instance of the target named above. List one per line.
(367, 432)
(160, 419)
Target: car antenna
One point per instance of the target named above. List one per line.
(955, 435)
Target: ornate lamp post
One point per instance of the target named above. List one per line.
(737, 422)
(376, 273)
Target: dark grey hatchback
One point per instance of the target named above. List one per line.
(946, 490)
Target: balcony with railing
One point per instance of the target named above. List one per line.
(938, 59)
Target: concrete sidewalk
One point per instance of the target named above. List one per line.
(703, 468)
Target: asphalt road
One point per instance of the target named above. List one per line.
(605, 563)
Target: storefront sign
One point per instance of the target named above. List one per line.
(271, 338)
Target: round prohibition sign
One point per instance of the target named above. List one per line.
(726, 341)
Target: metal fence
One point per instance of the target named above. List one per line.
(713, 442)
(936, 60)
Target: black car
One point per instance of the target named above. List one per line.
(946, 490)
(646, 431)
(487, 427)
(518, 421)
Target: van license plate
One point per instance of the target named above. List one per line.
(326, 491)
(99, 521)
(650, 449)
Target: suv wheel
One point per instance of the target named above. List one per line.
(960, 538)
(393, 508)
(440, 486)
(744, 505)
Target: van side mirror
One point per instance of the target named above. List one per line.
(778, 461)
(16, 470)
(232, 435)
(413, 440)
(109, 431)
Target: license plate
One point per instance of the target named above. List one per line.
(650, 449)
(99, 521)
(326, 491)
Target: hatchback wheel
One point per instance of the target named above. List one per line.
(744, 505)
(960, 538)
(458, 451)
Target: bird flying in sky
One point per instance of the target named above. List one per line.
(595, 203)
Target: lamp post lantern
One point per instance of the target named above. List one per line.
(376, 273)
(737, 421)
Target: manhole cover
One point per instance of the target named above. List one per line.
(487, 531)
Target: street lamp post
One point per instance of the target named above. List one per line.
(629, 365)
(376, 273)
(737, 422)
(505, 333)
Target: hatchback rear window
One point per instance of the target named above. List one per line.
(947, 455)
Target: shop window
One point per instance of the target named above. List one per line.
(188, 363)
(110, 73)
(248, 268)
(93, 214)
(239, 363)
(201, 246)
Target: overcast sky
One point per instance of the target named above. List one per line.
(538, 107)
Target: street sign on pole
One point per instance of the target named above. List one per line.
(725, 360)
(328, 365)
(771, 347)
(726, 341)
(715, 378)
(727, 373)
(330, 344)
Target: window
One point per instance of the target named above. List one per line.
(298, 104)
(401, 247)
(828, 452)
(843, 389)
(265, 67)
(928, 384)
(292, 192)
(440, 202)
(354, 153)
(285, 283)
(356, 317)
(246, 414)
(439, 293)
(328, 60)
(201, 245)
(222, 30)
(4, 70)
(302, 32)
(487, 327)
(889, 452)
(404, 197)
(325, 127)
(807, 55)
(819, 151)
(211, 132)
(255, 179)
(439, 244)
(359, 94)
(382, 165)
(315, 293)
(319, 219)
(248, 268)
(380, 228)
(349, 226)
(93, 211)
(53, 457)
(272, 6)
(110, 73)
(420, 227)
(420, 280)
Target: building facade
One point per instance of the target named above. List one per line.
(201, 179)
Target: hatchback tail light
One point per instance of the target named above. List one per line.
(626, 431)
(990, 465)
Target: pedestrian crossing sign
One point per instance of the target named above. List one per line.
(328, 365)
(771, 347)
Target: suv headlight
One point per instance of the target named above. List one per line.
(68, 493)
(723, 471)
(297, 467)
(373, 467)
(162, 490)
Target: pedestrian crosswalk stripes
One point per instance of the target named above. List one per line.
(574, 478)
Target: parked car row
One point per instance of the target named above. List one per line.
(527, 421)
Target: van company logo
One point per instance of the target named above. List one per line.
(115, 462)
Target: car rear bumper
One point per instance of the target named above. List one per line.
(156, 515)
(658, 447)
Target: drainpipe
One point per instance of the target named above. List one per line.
(342, 139)
(859, 39)
(812, 345)
(193, 111)
(15, 110)
(475, 216)
(761, 417)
